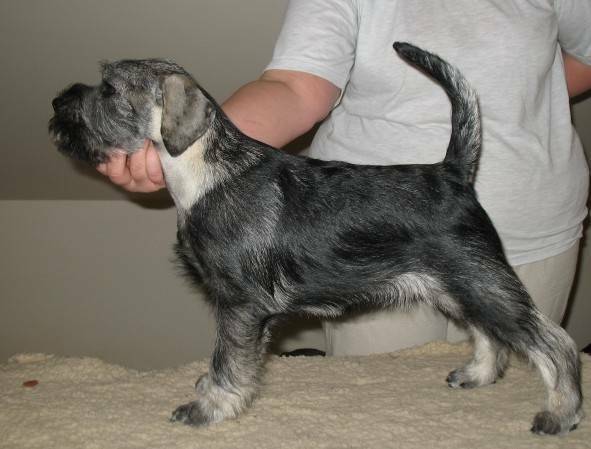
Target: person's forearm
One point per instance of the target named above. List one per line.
(280, 106)
(578, 76)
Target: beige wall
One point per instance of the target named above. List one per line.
(84, 270)
(97, 278)
(94, 278)
(46, 45)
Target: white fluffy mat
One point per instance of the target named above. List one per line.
(397, 400)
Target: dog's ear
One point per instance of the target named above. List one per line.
(186, 113)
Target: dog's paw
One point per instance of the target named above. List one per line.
(190, 414)
(462, 378)
(548, 423)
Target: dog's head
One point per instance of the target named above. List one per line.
(136, 100)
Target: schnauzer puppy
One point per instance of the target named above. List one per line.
(268, 234)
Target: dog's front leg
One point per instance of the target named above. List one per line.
(231, 384)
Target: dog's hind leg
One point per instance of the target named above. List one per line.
(504, 316)
(487, 365)
(555, 355)
(232, 382)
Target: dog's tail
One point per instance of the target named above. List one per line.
(463, 151)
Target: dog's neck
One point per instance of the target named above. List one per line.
(219, 154)
(188, 176)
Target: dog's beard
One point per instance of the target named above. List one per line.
(74, 140)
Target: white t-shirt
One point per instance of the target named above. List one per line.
(533, 176)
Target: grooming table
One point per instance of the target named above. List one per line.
(379, 401)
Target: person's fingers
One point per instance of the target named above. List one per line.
(137, 172)
(118, 171)
(137, 167)
(102, 168)
(154, 167)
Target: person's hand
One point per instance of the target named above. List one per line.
(139, 172)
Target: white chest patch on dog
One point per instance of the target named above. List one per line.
(187, 176)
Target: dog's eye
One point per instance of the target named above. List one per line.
(107, 90)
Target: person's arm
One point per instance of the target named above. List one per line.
(278, 107)
(578, 76)
(281, 105)
(574, 38)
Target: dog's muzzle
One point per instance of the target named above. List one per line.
(70, 98)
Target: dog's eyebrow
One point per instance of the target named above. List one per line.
(104, 65)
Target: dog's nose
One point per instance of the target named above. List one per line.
(73, 93)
